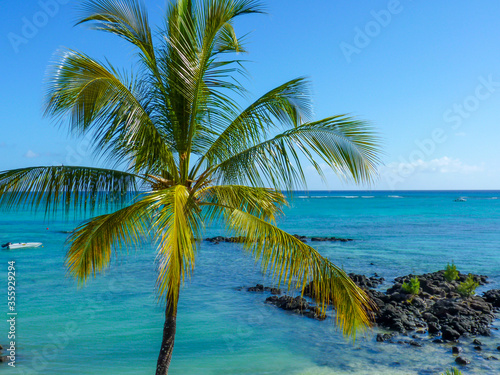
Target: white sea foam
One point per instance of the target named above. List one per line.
(362, 370)
(394, 196)
(314, 196)
(368, 196)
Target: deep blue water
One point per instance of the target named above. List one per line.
(113, 325)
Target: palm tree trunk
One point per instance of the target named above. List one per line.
(167, 344)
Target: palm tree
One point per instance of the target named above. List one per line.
(174, 132)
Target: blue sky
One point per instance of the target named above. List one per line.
(425, 74)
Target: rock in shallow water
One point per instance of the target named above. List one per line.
(462, 361)
(450, 334)
(381, 337)
(331, 239)
(262, 288)
(493, 297)
(404, 313)
(437, 308)
(456, 350)
(297, 305)
(416, 343)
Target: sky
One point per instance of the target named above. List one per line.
(426, 75)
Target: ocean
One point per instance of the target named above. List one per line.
(113, 325)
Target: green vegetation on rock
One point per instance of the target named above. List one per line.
(451, 272)
(413, 287)
(468, 287)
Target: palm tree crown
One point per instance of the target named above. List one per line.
(174, 129)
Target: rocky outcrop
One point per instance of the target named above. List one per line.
(299, 237)
(438, 314)
(218, 239)
(366, 282)
(262, 288)
(437, 309)
(331, 239)
(297, 305)
(493, 297)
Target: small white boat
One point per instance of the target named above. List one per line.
(461, 199)
(21, 245)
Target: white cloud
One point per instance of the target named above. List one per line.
(30, 154)
(441, 165)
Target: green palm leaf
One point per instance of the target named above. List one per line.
(179, 225)
(288, 260)
(261, 202)
(127, 19)
(346, 145)
(93, 242)
(286, 105)
(115, 112)
(71, 187)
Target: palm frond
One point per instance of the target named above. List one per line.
(92, 243)
(72, 187)
(287, 105)
(346, 145)
(113, 110)
(261, 202)
(179, 223)
(196, 79)
(126, 18)
(294, 263)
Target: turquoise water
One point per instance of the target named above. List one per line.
(113, 325)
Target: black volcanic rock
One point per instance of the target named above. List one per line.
(450, 334)
(456, 350)
(331, 239)
(438, 311)
(462, 361)
(297, 305)
(437, 308)
(493, 297)
(219, 239)
(262, 288)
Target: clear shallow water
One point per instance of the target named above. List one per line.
(113, 325)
